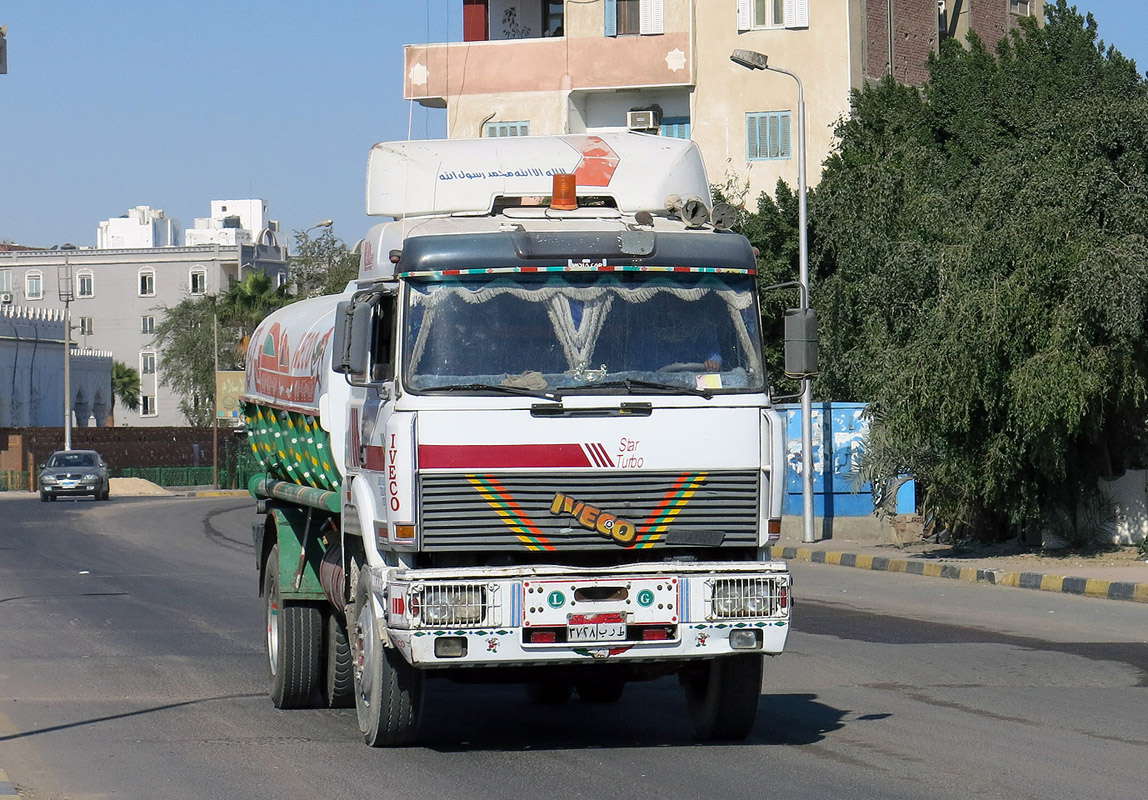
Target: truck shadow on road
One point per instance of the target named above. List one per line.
(500, 718)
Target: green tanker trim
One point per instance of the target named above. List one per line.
(263, 485)
(291, 446)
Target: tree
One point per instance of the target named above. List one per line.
(983, 273)
(322, 265)
(773, 231)
(188, 331)
(126, 385)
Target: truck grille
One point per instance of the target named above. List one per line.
(588, 511)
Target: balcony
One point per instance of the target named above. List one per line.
(435, 73)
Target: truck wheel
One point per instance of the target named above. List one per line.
(340, 683)
(388, 690)
(601, 690)
(294, 635)
(722, 696)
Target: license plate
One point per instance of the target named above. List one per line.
(596, 628)
(68, 484)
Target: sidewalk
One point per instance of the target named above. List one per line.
(1119, 575)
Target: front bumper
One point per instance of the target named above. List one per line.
(70, 489)
(548, 615)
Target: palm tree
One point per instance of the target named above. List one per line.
(247, 302)
(126, 385)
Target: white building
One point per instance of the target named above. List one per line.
(121, 294)
(232, 222)
(142, 226)
(32, 373)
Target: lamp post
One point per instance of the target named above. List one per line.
(327, 223)
(754, 60)
(64, 286)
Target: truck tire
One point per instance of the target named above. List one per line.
(294, 636)
(722, 696)
(340, 678)
(388, 690)
(600, 690)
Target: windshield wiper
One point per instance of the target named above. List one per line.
(634, 386)
(491, 387)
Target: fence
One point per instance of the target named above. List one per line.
(237, 464)
(13, 480)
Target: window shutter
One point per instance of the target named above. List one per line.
(744, 15)
(771, 136)
(611, 7)
(652, 16)
(752, 148)
(783, 147)
(797, 13)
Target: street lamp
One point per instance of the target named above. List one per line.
(754, 60)
(64, 286)
(327, 223)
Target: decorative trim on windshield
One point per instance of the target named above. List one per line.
(575, 266)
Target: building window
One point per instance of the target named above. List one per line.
(34, 285)
(85, 284)
(627, 17)
(1022, 8)
(147, 405)
(6, 281)
(675, 127)
(767, 135)
(85, 326)
(280, 279)
(147, 363)
(147, 282)
(552, 13)
(500, 129)
(147, 324)
(198, 281)
(759, 14)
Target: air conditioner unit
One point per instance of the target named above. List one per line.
(647, 120)
(6, 298)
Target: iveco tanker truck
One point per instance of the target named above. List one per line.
(532, 443)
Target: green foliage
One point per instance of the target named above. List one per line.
(126, 385)
(322, 265)
(773, 230)
(981, 270)
(186, 338)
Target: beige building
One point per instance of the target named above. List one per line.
(530, 67)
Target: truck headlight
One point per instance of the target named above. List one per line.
(464, 604)
(740, 597)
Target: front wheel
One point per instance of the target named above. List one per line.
(388, 690)
(340, 683)
(722, 696)
(294, 638)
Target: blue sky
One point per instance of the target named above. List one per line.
(109, 105)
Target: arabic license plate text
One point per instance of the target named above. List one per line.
(596, 628)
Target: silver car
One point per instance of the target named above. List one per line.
(74, 472)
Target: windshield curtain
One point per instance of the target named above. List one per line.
(572, 330)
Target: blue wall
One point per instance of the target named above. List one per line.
(839, 433)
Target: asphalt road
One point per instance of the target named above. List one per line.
(131, 667)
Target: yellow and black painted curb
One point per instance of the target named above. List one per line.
(7, 788)
(1091, 587)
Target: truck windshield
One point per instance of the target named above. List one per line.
(583, 332)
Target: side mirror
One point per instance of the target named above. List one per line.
(801, 349)
(351, 338)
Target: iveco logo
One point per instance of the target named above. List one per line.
(594, 519)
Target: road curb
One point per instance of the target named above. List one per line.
(7, 788)
(1091, 587)
(218, 493)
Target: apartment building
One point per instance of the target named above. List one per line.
(119, 295)
(529, 67)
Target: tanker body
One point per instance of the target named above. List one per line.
(532, 443)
